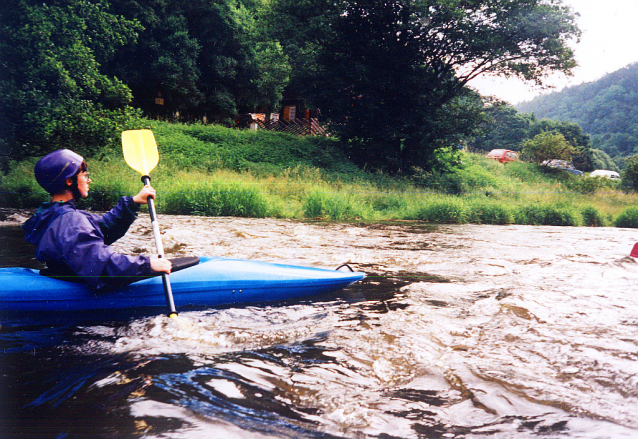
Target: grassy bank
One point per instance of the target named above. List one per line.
(215, 171)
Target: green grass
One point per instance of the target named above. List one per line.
(217, 171)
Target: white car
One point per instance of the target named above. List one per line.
(607, 174)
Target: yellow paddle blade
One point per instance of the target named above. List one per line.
(140, 150)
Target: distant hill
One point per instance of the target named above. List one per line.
(606, 109)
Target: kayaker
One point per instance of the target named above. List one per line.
(75, 243)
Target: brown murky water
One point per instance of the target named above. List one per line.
(457, 332)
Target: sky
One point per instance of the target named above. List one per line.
(609, 42)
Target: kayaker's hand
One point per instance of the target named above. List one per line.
(161, 265)
(142, 196)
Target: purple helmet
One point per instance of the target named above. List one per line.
(53, 169)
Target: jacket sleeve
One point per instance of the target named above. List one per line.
(117, 221)
(82, 245)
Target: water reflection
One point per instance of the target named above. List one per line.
(458, 331)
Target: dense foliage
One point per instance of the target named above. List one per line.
(390, 75)
(73, 73)
(53, 92)
(200, 57)
(547, 146)
(630, 174)
(607, 109)
(509, 129)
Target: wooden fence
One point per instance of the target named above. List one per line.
(300, 127)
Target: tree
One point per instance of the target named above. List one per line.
(573, 133)
(52, 92)
(200, 58)
(547, 146)
(509, 129)
(630, 174)
(161, 66)
(506, 129)
(391, 73)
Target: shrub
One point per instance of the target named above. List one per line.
(313, 206)
(21, 197)
(384, 202)
(490, 213)
(590, 185)
(19, 189)
(545, 215)
(630, 174)
(592, 217)
(627, 218)
(524, 172)
(104, 196)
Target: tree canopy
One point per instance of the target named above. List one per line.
(200, 57)
(392, 74)
(547, 146)
(389, 75)
(52, 91)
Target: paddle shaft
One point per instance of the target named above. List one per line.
(168, 292)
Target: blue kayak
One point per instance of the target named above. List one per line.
(212, 282)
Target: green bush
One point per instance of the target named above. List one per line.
(313, 206)
(627, 218)
(590, 185)
(18, 188)
(385, 202)
(22, 197)
(210, 147)
(313, 181)
(457, 181)
(545, 215)
(547, 146)
(630, 174)
(592, 217)
(490, 213)
(524, 172)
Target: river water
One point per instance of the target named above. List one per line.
(464, 331)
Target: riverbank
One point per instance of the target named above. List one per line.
(215, 171)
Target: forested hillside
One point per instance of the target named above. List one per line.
(606, 109)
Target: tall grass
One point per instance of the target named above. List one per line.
(215, 171)
(18, 189)
(217, 195)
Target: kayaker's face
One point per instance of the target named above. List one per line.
(83, 183)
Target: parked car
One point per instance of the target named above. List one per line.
(606, 174)
(564, 165)
(502, 155)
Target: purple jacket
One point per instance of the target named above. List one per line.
(76, 242)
